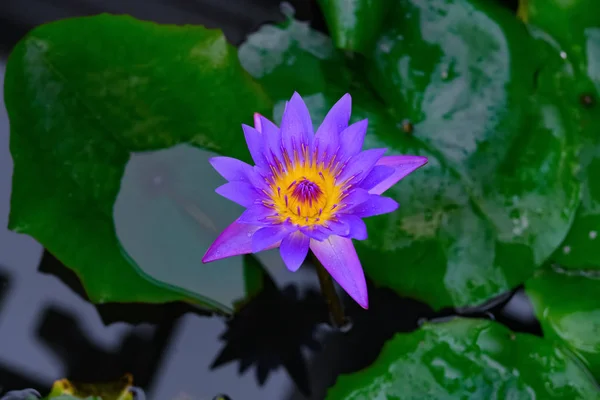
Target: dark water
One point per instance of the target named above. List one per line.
(279, 347)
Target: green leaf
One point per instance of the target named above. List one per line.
(568, 308)
(574, 25)
(465, 358)
(354, 25)
(93, 101)
(473, 222)
(573, 30)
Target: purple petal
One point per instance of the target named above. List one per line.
(239, 192)
(316, 232)
(236, 239)
(378, 174)
(269, 237)
(376, 205)
(403, 165)
(293, 250)
(352, 139)
(254, 141)
(296, 126)
(261, 122)
(358, 229)
(231, 169)
(359, 166)
(271, 138)
(356, 197)
(338, 227)
(337, 118)
(257, 215)
(339, 258)
(325, 145)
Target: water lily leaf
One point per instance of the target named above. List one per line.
(85, 106)
(573, 30)
(457, 83)
(568, 308)
(166, 215)
(467, 358)
(354, 25)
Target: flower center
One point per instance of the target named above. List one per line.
(306, 191)
(304, 194)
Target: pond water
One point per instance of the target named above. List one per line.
(48, 330)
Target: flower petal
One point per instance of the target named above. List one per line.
(293, 250)
(338, 227)
(257, 214)
(231, 169)
(356, 197)
(359, 166)
(376, 205)
(337, 118)
(352, 139)
(338, 256)
(269, 237)
(358, 229)
(236, 239)
(296, 126)
(254, 141)
(403, 165)
(316, 232)
(242, 193)
(325, 146)
(271, 138)
(378, 174)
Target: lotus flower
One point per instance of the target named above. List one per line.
(309, 191)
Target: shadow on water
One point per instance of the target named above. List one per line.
(271, 330)
(84, 361)
(11, 378)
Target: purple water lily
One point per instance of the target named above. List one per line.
(309, 190)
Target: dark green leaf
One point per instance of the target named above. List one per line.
(572, 28)
(88, 98)
(468, 359)
(354, 24)
(473, 222)
(568, 307)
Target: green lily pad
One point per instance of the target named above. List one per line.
(573, 30)
(86, 98)
(568, 307)
(468, 359)
(354, 24)
(457, 83)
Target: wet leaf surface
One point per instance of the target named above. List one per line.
(468, 358)
(568, 307)
(572, 30)
(354, 25)
(501, 158)
(79, 117)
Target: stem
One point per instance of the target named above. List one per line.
(336, 310)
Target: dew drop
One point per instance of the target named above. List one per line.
(563, 55)
(567, 249)
(593, 235)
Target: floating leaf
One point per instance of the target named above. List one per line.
(573, 30)
(85, 96)
(568, 307)
(467, 358)
(354, 24)
(457, 78)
